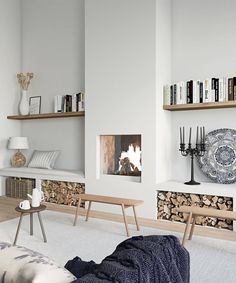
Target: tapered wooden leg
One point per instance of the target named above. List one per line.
(42, 228)
(76, 213)
(187, 228)
(136, 219)
(18, 229)
(31, 224)
(192, 228)
(125, 220)
(89, 207)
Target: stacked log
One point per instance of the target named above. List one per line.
(167, 203)
(59, 192)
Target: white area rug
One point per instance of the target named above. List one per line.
(212, 260)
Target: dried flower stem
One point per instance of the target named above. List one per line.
(24, 80)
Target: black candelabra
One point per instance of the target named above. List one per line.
(198, 150)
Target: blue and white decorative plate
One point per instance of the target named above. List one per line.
(219, 160)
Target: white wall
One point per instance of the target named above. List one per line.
(10, 51)
(121, 89)
(53, 48)
(203, 46)
(163, 76)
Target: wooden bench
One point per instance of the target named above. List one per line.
(200, 211)
(123, 202)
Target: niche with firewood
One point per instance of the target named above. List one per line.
(168, 202)
(121, 155)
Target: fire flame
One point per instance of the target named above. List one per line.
(134, 155)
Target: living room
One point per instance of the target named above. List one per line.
(120, 55)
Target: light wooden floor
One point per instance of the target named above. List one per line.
(7, 212)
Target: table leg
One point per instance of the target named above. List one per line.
(125, 220)
(192, 228)
(89, 207)
(186, 228)
(136, 219)
(77, 209)
(31, 224)
(18, 229)
(42, 228)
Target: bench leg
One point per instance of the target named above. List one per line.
(42, 228)
(187, 228)
(31, 224)
(125, 220)
(76, 213)
(89, 207)
(136, 219)
(192, 228)
(18, 229)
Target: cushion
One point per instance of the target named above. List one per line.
(21, 265)
(43, 159)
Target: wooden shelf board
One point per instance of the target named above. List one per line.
(47, 116)
(200, 106)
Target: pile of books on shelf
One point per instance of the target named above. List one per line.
(69, 103)
(208, 90)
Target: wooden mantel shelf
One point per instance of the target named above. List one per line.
(47, 116)
(200, 106)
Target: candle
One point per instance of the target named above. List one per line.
(180, 133)
(183, 136)
(203, 135)
(200, 134)
(197, 136)
(190, 134)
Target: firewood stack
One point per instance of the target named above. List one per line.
(167, 203)
(59, 192)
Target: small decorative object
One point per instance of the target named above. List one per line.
(36, 197)
(25, 204)
(219, 161)
(199, 150)
(18, 159)
(35, 105)
(24, 81)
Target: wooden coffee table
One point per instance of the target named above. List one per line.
(30, 211)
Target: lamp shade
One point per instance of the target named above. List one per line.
(18, 143)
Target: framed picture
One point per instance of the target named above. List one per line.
(35, 105)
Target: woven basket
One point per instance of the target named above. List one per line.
(19, 187)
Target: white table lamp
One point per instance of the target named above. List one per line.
(18, 143)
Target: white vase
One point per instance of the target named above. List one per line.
(24, 103)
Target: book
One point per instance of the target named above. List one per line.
(207, 90)
(201, 92)
(221, 90)
(212, 96)
(58, 103)
(175, 94)
(171, 95)
(216, 90)
(195, 91)
(190, 91)
(166, 95)
(234, 88)
(182, 89)
(230, 89)
(225, 89)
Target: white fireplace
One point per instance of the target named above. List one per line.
(121, 155)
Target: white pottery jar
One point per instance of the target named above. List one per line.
(24, 103)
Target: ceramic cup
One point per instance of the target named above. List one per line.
(25, 204)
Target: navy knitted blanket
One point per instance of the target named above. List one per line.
(149, 259)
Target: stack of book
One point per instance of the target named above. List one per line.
(69, 103)
(208, 90)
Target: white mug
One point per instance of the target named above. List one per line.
(25, 204)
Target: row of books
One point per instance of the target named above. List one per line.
(208, 90)
(69, 103)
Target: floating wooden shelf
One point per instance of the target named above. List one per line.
(47, 116)
(200, 106)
